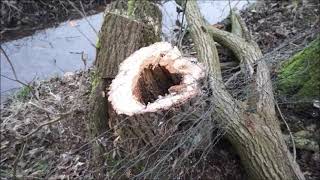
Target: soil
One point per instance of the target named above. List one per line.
(23, 18)
(64, 149)
(272, 23)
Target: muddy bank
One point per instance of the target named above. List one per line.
(23, 18)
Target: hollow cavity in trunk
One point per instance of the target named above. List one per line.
(154, 81)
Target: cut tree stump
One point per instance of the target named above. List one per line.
(119, 37)
(153, 84)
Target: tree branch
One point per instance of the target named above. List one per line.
(246, 53)
(10, 63)
(255, 135)
(205, 46)
(261, 95)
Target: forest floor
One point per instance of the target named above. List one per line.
(63, 148)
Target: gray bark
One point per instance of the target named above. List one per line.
(253, 127)
(120, 36)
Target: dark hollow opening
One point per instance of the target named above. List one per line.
(154, 81)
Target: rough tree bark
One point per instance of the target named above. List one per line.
(253, 127)
(120, 36)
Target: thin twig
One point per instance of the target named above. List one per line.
(234, 76)
(44, 124)
(10, 63)
(41, 108)
(16, 80)
(290, 133)
(62, 115)
(85, 36)
(15, 74)
(24, 84)
(84, 58)
(82, 13)
(183, 15)
(16, 161)
(85, 17)
(182, 36)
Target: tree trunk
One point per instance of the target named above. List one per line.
(120, 36)
(153, 85)
(253, 127)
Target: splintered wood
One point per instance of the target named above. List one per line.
(154, 83)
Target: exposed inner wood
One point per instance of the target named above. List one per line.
(153, 85)
(155, 78)
(154, 81)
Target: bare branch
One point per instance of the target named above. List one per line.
(62, 115)
(207, 54)
(290, 133)
(83, 14)
(10, 63)
(233, 77)
(16, 80)
(16, 161)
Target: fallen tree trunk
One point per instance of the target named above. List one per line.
(253, 127)
(153, 84)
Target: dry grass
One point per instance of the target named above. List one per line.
(50, 127)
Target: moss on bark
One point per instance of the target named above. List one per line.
(131, 7)
(299, 77)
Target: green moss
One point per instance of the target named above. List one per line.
(299, 77)
(131, 7)
(23, 93)
(94, 78)
(98, 45)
